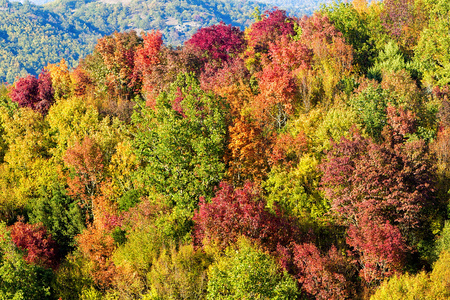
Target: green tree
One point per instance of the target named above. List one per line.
(246, 272)
(181, 142)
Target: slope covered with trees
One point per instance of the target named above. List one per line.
(32, 36)
(302, 158)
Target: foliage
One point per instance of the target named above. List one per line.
(218, 43)
(18, 279)
(35, 93)
(324, 276)
(60, 214)
(235, 212)
(180, 274)
(181, 142)
(38, 246)
(247, 272)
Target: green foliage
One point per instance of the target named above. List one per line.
(355, 29)
(179, 274)
(59, 214)
(72, 278)
(245, 272)
(443, 243)
(390, 59)
(432, 53)
(296, 191)
(370, 105)
(181, 142)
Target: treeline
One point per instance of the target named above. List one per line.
(305, 158)
(32, 36)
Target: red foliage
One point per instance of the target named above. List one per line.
(381, 247)
(392, 181)
(382, 193)
(38, 245)
(235, 212)
(273, 26)
(35, 93)
(323, 276)
(146, 57)
(218, 43)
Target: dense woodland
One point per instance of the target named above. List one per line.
(302, 158)
(32, 36)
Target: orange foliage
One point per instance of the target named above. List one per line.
(87, 161)
(246, 155)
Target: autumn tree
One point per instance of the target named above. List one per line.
(38, 246)
(324, 276)
(35, 93)
(87, 162)
(61, 80)
(217, 44)
(270, 27)
(147, 56)
(332, 56)
(389, 184)
(237, 212)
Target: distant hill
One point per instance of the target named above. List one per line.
(32, 36)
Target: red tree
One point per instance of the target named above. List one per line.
(272, 26)
(35, 93)
(38, 245)
(234, 212)
(381, 248)
(218, 43)
(323, 276)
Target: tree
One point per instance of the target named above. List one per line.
(180, 274)
(87, 161)
(323, 276)
(35, 93)
(147, 56)
(19, 279)
(332, 56)
(246, 272)
(181, 142)
(351, 20)
(432, 53)
(37, 244)
(383, 192)
(235, 212)
(381, 247)
(217, 44)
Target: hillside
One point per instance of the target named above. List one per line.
(32, 36)
(305, 158)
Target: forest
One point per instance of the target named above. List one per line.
(299, 158)
(32, 36)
